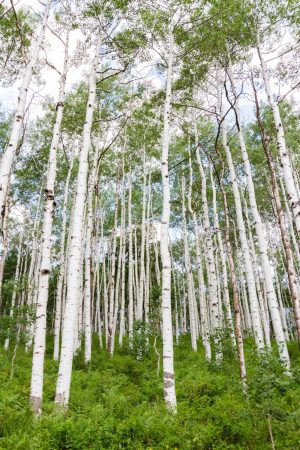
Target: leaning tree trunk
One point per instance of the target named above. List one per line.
(293, 197)
(11, 149)
(254, 306)
(167, 329)
(73, 281)
(291, 272)
(262, 244)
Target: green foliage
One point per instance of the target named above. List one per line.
(117, 403)
(139, 344)
(15, 38)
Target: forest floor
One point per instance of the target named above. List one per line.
(118, 403)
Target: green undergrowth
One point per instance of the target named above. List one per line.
(117, 403)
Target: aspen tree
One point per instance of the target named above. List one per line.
(62, 261)
(201, 286)
(123, 270)
(73, 281)
(189, 273)
(88, 259)
(293, 197)
(16, 281)
(117, 292)
(147, 249)
(262, 245)
(293, 282)
(4, 249)
(260, 293)
(167, 329)
(130, 260)
(223, 262)
(112, 272)
(11, 149)
(141, 288)
(254, 306)
(235, 293)
(33, 271)
(210, 262)
(36, 387)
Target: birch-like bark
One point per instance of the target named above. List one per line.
(37, 373)
(167, 330)
(290, 223)
(188, 272)
(253, 300)
(11, 149)
(293, 197)
(140, 300)
(105, 287)
(260, 293)
(16, 281)
(210, 262)
(147, 249)
(123, 267)
(33, 271)
(88, 260)
(291, 272)
(262, 244)
(130, 261)
(73, 282)
(4, 245)
(235, 293)
(62, 261)
(136, 273)
(117, 292)
(201, 285)
(112, 274)
(225, 289)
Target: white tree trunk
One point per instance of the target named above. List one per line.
(188, 272)
(293, 197)
(225, 289)
(37, 374)
(73, 281)
(62, 258)
(112, 274)
(167, 330)
(123, 268)
(253, 300)
(130, 262)
(140, 300)
(235, 293)
(16, 281)
(210, 263)
(11, 149)
(262, 244)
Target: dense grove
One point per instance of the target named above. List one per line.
(149, 224)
